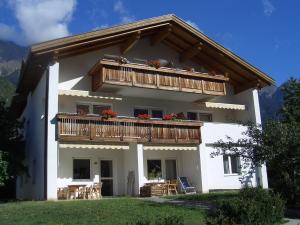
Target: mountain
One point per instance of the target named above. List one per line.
(11, 56)
(270, 100)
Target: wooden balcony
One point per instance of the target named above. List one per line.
(140, 75)
(72, 127)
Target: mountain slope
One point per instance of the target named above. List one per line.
(270, 100)
(11, 56)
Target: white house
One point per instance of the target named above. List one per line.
(156, 67)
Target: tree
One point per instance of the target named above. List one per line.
(277, 143)
(11, 146)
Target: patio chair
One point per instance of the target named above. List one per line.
(185, 186)
(62, 193)
(171, 187)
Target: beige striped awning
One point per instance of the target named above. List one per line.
(171, 148)
(223, 105)
(91, 146)
(88, 94)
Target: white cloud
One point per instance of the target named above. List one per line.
(268, 7)
(42, 20)
(193, 24)
(8, 33)
(119, 7)
(124, 14)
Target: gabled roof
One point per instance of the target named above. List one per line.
(168, 29)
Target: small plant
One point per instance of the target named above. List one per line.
(144, 116)
(171, 116)
(166, 220)
(180, 116)
(108, 113)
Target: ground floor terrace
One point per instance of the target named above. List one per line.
(124, 169)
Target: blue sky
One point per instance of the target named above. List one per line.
(264, 32)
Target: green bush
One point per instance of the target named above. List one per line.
(253, 206)
(167, 220)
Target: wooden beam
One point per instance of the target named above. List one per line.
(130, 42)
(190, 52)
(160, 36)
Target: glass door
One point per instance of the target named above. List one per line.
(106, 177)
(171, 172)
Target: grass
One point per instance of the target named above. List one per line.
(209, 197)
(116, 211)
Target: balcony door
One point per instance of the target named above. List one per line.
(171, 169)
(106, 177)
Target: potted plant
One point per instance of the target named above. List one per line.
(108, 113)
(171, 116)
(144, 116)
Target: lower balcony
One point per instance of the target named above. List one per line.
(73, 127)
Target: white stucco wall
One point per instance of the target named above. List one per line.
(213, 167)
(34, 123)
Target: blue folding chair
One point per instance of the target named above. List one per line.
(185, 186)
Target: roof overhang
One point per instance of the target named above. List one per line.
(169, 30)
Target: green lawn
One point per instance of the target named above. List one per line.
(105, 212)
(209, 197)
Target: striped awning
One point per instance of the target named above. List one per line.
(88, 94)
(90, 146)
(171, 148)
(223, 105)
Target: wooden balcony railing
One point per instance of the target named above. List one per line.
(93, 128)
(139, 75)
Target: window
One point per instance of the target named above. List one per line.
(97, 109)
(231, 164)
(155, 113)
(140, 111)
(81, 169)
(154, 169)
(205, 117)
(192, 116)
(82, 109)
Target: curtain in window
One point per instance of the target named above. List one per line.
(226, 164)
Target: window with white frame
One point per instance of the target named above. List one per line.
(231, 164)
(154, 169)
(205, 117)
(86, 108)
(154, 112)
(81, 169)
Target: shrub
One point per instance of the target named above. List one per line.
(166, 220)
(253, 206)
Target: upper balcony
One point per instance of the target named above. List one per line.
(113, 76)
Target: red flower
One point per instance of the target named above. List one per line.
(168, 117)
(144, 116)
(109, 113)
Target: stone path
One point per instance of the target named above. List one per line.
(201, 205)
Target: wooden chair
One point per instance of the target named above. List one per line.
(172, 187)
(96, 191)
(72, 192)
(81, 193)
(62, 193)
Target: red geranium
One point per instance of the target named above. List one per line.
(144, 116)
(109, 113)
(169, 117)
